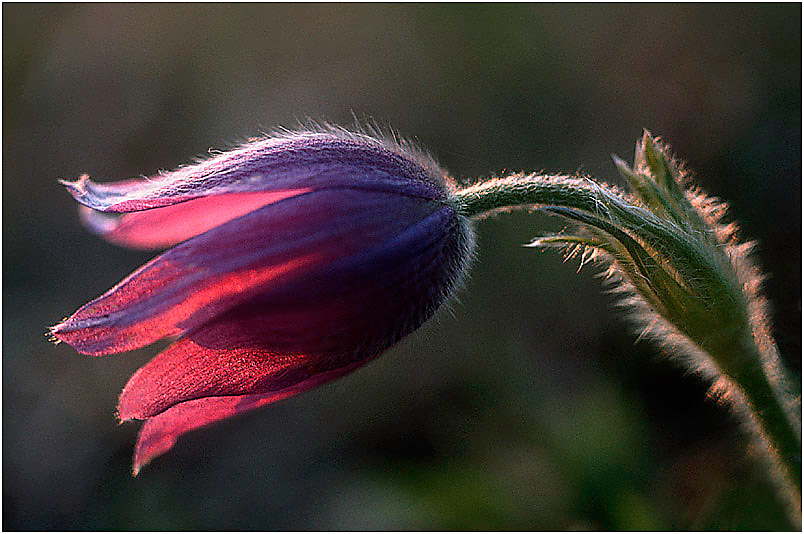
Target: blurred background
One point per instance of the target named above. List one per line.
(530, 405)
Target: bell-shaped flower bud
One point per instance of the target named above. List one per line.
(294, 259)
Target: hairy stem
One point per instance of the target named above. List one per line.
(674, 256)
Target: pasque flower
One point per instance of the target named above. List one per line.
(295, 259)
(302, 256)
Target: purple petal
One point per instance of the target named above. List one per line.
(305, 160)
(206, 275)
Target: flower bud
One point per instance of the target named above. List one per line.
(294, 259)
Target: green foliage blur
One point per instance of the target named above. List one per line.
(527, 405)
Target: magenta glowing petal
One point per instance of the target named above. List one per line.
(164, 227)
(159, 433)
(299, 258)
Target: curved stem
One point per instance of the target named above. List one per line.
(683, 267)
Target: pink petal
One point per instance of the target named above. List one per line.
(190, 370)
(164, 227)
(158, 434)
(208, 274)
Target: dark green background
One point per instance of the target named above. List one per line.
(527, 405)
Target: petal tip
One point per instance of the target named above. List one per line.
(121, 419)
(130, 407)
(73, 332)
(78, 187)
(51, 336)
(55, 333)
(124, 412)
(142, 458)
